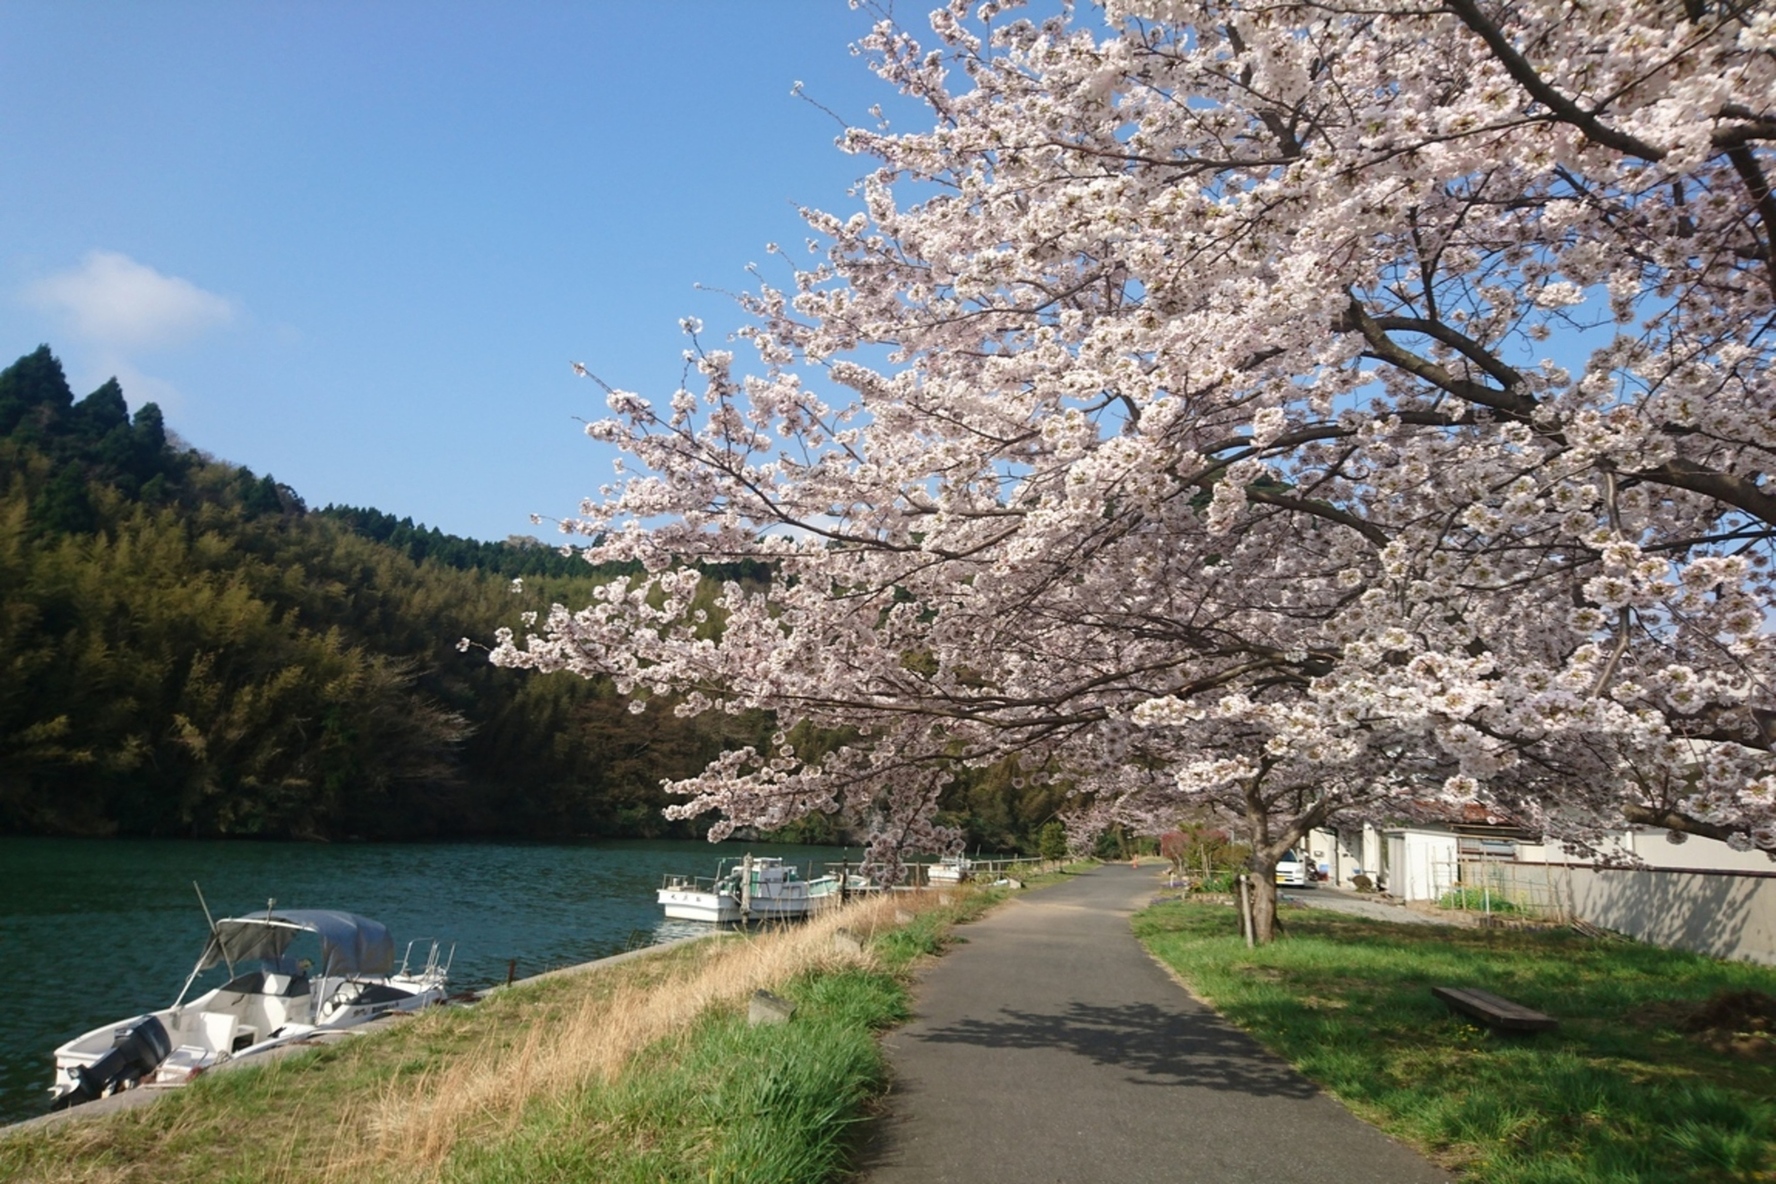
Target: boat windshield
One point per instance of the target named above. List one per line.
(259, 982)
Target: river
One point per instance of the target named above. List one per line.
(98, 930)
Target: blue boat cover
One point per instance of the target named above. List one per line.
(350, 944)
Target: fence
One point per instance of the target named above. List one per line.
(983, 868)
(1725, 914)
(1504, 890)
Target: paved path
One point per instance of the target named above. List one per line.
(1049, 1047)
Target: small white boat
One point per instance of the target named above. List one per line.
(691, 898)
(755, 888)
(825, 891)
(282, 1001)
(951, 869)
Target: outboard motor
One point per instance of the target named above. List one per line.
(138, 1049)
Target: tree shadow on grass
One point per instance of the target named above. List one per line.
(1156, 1046)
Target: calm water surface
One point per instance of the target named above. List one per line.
(98, 930)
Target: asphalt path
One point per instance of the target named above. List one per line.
(1048, 1046)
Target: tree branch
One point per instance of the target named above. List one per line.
(1562, 108)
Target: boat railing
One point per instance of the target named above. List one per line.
(431, 968)
(677, 883)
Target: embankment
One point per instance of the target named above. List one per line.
(640, 1066)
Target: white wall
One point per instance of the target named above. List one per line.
(1421, 864)
(1722, 914)
(1654, 848)
(1699, 895)
(1340, 854)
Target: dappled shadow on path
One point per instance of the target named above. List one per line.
(1156, 1046)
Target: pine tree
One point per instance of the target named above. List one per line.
(33, 383)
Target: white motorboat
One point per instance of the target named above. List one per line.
(754, 888)
(695, 898)
(951, 869)
(284, 1000)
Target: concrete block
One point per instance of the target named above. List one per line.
(767, 1008)
(846, 942)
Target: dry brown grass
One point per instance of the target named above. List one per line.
(586, 1039)
(394, 1105)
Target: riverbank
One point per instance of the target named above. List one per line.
(642, 1069)
(103, 929)
(1663, 1068)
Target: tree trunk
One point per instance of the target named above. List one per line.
(1265, 854)
(1264, 897)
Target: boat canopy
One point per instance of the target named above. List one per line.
(350, 944)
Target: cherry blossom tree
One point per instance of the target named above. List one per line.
(1296, 408)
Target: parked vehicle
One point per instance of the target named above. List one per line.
(1294, 870)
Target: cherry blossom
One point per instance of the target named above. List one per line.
(1309, 411)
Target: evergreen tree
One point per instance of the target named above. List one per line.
(34, 383)
(64, 507)
(97, 415)
(261, 496)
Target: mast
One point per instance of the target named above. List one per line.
(215, 936)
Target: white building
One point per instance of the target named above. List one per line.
(1697, 894)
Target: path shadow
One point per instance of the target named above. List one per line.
(1156, 1046)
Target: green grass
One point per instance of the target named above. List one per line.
(1618, 1094)
(729, 1102)
(1475, 899)
(724, 1101)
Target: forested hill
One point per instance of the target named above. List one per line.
(186, 649)
(514, 558)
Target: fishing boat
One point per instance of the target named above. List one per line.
(761, 887)
(951, 869)
(281, 999)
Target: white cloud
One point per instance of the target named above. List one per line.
(113, 301)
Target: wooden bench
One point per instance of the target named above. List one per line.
(1493, 1011)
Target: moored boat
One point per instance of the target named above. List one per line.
(282, 1000)
(951, 869)
(690, 898)
(753, 888)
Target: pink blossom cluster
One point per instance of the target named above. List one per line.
(1303, 411)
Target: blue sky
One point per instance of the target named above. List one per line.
(356, 246)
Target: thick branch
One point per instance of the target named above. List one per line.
(1738, 492)
(1558, 104)
(1320, 509)
(1385, 349)
(1758, 186)
(1508, 376)
(1672, 820)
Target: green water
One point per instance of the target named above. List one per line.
(93, 931)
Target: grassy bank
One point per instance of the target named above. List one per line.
(645, 1070)
(1662, 1070)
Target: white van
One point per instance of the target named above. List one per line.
(1294, 871)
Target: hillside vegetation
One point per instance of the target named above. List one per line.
(186, 649)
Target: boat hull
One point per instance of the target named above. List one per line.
(226, 1025)
(765, 889)
(949, 871)
(683, 904)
